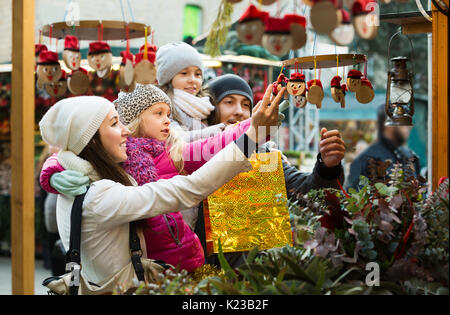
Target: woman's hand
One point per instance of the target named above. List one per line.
(331, 147)
(264, 116)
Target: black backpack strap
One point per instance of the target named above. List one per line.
(136, 252)
(73, 258)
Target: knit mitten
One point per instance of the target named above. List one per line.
(69, 182)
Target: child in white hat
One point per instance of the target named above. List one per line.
(180, 74)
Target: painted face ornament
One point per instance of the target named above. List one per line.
(57, 89)
(277, 37)
(344, 33)
(315, 93)
(100, 58)
(337, 92)
(127, 81)
(278, 85)
(250, 28)
(354, 80)
(365, 18)
(296, 85)
(300, 100)
(48, 69)
(78, 81)
(71, 53)
(144, 69)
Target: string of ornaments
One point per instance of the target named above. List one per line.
(133, 69)
(281, 34)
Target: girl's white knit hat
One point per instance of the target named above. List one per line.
(72, 122)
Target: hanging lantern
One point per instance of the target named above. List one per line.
(399, 105)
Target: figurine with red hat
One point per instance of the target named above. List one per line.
(337, 93)
(71, 54)
(250, 27)
(38, 48)
(127, 81)
(365, 20)
(298, 30)
(344, 33)
(100, 58)
(144, 65)
(277, 38)
(48, 68)
(354, 80)
(296, 84)
(315, 93)
(300, 100)
(278, 84)
(365, 94)
(57, 89)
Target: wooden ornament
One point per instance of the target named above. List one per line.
(48, 73)
(296, 85)
(250, 32)
(337, 92)
(78, 82)
(300, 100)
(323, 17)
(298, 30)
(56, 89)
(127, 82)
(345, 32)
(145, 72)
(72, 59)
(315, 93)
(354, 80)
(365, 21)
(365, 93)
(101, 63)
(277, 44)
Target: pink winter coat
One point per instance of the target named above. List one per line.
(168, 237)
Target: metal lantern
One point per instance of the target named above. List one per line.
(399, 105)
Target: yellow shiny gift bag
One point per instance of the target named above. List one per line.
(251, 209)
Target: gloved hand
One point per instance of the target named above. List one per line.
(69, 182)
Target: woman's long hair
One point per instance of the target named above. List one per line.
(103, 163)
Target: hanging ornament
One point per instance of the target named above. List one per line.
(71, 54)
(324, 16)
(144, 69)
(48, 69)
(78, 81)
(365, 93)
(300, 100)
(279, 84)
(354, 80)
(315, 93)
(250, 27)
(337, 92)
(365, 21)
(59, 88)
(127, 81)
(296, 84)
(277, 37)
(100, 58)
(298, 30)
(38, 48)
(344, 33)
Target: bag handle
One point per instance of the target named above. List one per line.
(73, 257)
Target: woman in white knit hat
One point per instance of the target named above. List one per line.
(92, 141)
(180, 75)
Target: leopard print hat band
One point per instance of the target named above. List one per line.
(131, 105)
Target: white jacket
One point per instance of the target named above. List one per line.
(109, 207)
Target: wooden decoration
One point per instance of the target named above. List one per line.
(345, 32)
(299, 37)
(101, 62)
(127, 82)
(315, 93)
(56, 89)
(49, 73)
(365, 21)
(296, 85)
(324, 61)
(365, 93)
(277, 44)
(337, 92)
(78, 82)
(324, 17)
(250, 32)
(145, 72)
(72, 59)
(300, 100)
(354, 80)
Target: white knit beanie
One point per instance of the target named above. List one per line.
(174, 57)
(72, 122)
